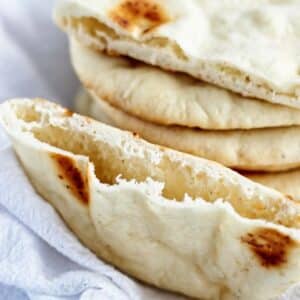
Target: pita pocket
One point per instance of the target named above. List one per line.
(252, 49)
(175, 221)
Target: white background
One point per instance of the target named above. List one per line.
(33, 53)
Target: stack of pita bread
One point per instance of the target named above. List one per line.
(209, 78)
(216, 79)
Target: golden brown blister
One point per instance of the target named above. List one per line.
(72, 176)
(145, 14)
(270, 246)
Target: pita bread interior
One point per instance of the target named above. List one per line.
(116, 192)
(172, 99)
(252, 150)
(285, 182)
(252, 49)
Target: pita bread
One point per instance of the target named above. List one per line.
(225, 244)
(286, 182)
(172, 99)
(251, 48)
(273, 149)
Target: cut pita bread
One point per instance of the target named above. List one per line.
(226, 244)
(285, 182)
(172, 99)
(273, 149)
(252, 49)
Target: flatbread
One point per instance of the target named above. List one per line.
(286, 182)
(172, 99)
(250, 47)
(225, 244)
(273, 149)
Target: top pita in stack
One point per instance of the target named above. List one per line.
(251, 49)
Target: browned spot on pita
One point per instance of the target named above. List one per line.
(133, 63)
(109, 52)
(144, 14)
(74, 180)
(68, 113)
(292, 198)
(270, 246)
